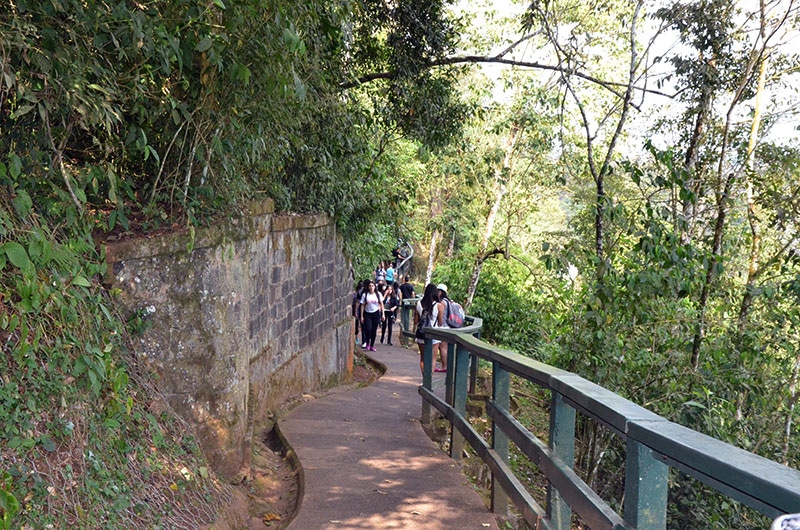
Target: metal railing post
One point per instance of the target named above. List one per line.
(645, 488)
(460, 368)
(562, 442)
(427, 379)
(500, 389)
(473, 368)
(407, 309)
(451, 362)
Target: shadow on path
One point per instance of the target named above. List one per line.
(368, 464)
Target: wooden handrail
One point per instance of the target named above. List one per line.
(653, 443)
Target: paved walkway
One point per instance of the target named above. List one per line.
(368, 464)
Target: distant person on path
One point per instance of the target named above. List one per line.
(371, 315)
(430, 312)
(355, 306)
(363, 290)
(380, 273)
(407, 290)
(442, 294)
(390, 304)
(390, 274)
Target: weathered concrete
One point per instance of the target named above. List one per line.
(242, 318)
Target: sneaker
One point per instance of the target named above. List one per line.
(389, 343)
(364, 346)
(372, 348)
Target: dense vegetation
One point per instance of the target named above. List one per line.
(607, 203)
(644, 242)
(126, 117)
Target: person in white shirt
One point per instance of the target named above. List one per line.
(430, 313)
(371, 315)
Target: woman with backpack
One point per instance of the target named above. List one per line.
(430, 313)
(441, 291)
(371, 314)
(390, 304)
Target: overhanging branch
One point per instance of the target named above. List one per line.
(611, 86)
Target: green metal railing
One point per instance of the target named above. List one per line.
(653, 444)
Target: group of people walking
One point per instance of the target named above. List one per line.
(376, 303)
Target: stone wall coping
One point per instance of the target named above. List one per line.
(236, 229)
(284, 222)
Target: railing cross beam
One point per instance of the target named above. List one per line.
(654, 445)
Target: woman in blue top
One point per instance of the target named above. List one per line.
(390, 275)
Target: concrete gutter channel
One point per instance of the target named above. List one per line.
(365, 462)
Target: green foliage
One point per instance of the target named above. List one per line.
(76, 438)
(147, 114)
(9, 505)
(380, 212)
(507, 300)
(708, 27)
(399, 44)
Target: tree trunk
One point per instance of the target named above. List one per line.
(431, 255)
(452, 246)
(722, 195)
(752, 214)
(690, 163)
(787, 427)
(501, 176)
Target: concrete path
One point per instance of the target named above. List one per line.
(368, 464)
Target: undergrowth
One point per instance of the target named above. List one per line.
(85, 442)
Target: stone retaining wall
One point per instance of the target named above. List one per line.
(238, 320)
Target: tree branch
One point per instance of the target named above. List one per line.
(611, 86)
(58, 153)
(514, 45)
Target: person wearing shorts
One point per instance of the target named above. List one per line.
(431, 312)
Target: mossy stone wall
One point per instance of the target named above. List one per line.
(240, 319)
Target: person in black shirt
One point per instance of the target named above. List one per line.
(407, 290)
(390, 305)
